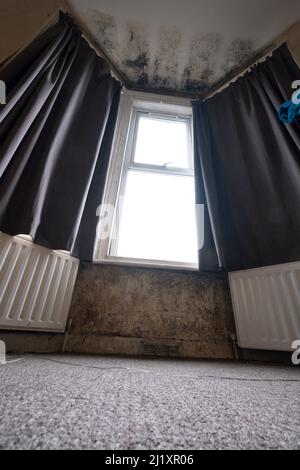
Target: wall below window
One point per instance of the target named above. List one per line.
(121, 309)
(128, 310)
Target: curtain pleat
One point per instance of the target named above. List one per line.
(55, 140)
(248, 170)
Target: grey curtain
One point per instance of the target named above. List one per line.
(56, 132)
(248, 170)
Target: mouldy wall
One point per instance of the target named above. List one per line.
(117, 310)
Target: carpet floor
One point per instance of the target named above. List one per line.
(88, 402)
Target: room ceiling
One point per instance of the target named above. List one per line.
(185, 46)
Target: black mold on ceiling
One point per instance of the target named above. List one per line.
(240, 51)
(162, 60)
(200, 68)
(135, 55)
(166, 63)
(106, 29)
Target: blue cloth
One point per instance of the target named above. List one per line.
(288, 112)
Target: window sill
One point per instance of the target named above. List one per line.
(114, 261)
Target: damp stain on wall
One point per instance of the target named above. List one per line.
(165, 59)
(121, 307)
(240, 51)
(167, 56)
(199, 71)
(104, 29)
(135, 56)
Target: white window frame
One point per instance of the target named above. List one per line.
(132, 105)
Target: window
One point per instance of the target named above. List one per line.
(148, 214)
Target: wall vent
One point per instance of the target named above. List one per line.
(159, 349)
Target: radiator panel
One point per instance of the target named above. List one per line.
(36, 286)
(266, 304)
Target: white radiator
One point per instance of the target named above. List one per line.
(36, 286)
(266, 304)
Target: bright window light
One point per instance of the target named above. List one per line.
(162, 142)
(158, 218)
(156, 208)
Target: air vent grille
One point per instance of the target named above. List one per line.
(159, 349)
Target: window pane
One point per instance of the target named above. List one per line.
(162, 142)
(158, 218)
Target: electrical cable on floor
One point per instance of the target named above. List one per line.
(130, 369)
(10, 361)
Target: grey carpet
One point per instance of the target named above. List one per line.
(80, 402)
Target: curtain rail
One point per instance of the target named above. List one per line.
(88, 36)
(267, 53)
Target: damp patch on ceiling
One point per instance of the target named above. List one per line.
(161, 58)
